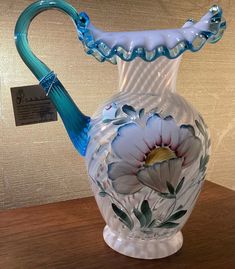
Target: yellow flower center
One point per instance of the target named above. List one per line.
(159, 155)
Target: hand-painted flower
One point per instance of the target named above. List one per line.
(153, 155)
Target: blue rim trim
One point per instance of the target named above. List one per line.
(102, 52)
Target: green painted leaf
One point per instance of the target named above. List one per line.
(147, 231)
(107, 120)
(177, 215)
(126, 224)
(141, 218)
(170, 187)
(209, 142)
(100, 186)
(102, 193)
(179, 186)
(203, 170)
(200, 128)
(141, 113)
(179, 207)
(120, 121)
(168, 225)
(129, 110)
(203, 162)
(206, 160)
(122, 216)
(118, 112)
(145, 209)
(152, 224)
(203, 120)
(167, 195)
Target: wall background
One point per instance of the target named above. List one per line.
(37, 162)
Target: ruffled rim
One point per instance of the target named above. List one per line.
(149, 45)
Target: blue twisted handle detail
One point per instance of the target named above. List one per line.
(76, 123)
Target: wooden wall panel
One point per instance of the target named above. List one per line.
(38, 163)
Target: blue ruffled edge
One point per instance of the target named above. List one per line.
(102, 52)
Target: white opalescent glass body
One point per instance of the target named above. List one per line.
(147, 157)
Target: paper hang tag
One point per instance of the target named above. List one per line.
(31, 105)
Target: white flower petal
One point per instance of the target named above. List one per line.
(152, 133)
(185, 132)
(189, 149)
(185, 146)
(175, 168)
(126, 184)
(118, 169)
(193, 153)
(150, 177)
(129, 144)
(156, 176)
(170, 133)
(165, 172)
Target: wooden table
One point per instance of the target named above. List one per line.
(69, 235)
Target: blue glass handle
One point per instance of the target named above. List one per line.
(76, 123)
